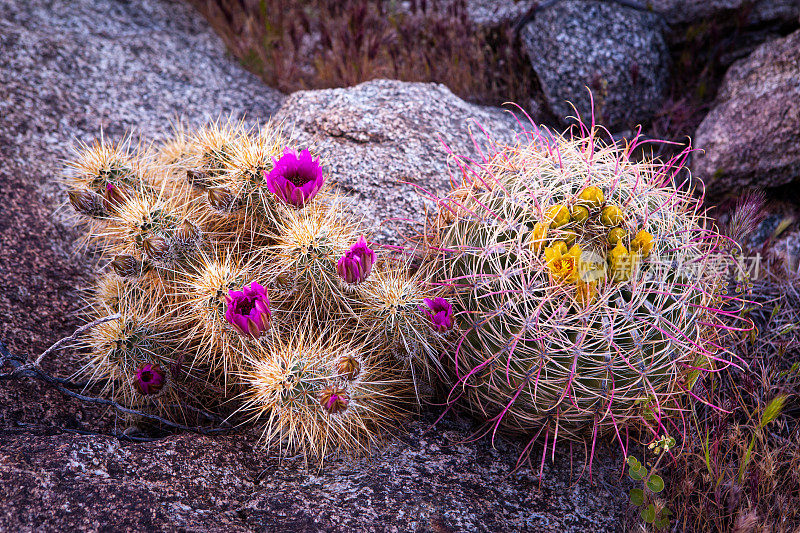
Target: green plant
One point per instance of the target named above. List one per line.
(651, 509)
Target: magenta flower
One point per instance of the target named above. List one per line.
(248, 310)
(334, 400)
(295, 179)
(356, 263)
(441, 314)
(150, 379)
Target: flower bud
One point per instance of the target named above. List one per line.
(557, 215)
(616, 236)
(611, 215)
(592, 196)
(222, 200)
(642, 243)
(348, 368)
(149, 380)
(127, 266)
(114, 197)
(87, 203)
(622, 263)
(334, 400)
(569, 236)
(187, 235)
(580, 214)
(156, 248)
(248, 310)
(538, 237)
(356, 264)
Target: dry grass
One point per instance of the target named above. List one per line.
(738, 471)
(316, 44)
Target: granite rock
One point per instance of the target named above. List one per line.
(381, 138)
(426, 480)
(751, 136)
(616, 51)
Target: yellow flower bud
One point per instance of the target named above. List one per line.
(616, 236)
(568, 236)
(538, 237)
(642, 243)
(557, 215)
(580, 214)
(622, 263)
(611, 215)
(593, 196)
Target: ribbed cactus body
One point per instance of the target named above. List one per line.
(585, 287)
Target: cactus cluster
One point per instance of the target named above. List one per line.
(241, 278)
(585, 288)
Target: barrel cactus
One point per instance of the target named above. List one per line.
(585, 285)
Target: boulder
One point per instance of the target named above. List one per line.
(71, 69)
(381, 138)
(751, 136)
(618, 52)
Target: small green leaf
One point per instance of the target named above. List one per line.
(655, 483)
(662, 522)
(649, 514)
(633, 462)
(637, 497)
(637, 474)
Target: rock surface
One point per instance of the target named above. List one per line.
(382, 137)
(751, 136)
(424, 481)
(69, 69)
(616, 51)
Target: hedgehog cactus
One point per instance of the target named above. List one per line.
(241, 278)
(584, 284)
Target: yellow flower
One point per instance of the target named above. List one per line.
(593, 196)
(622, 263)
(563, 264)
(611, 215)
(642, 243)
(557, 215)
(538, 237)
